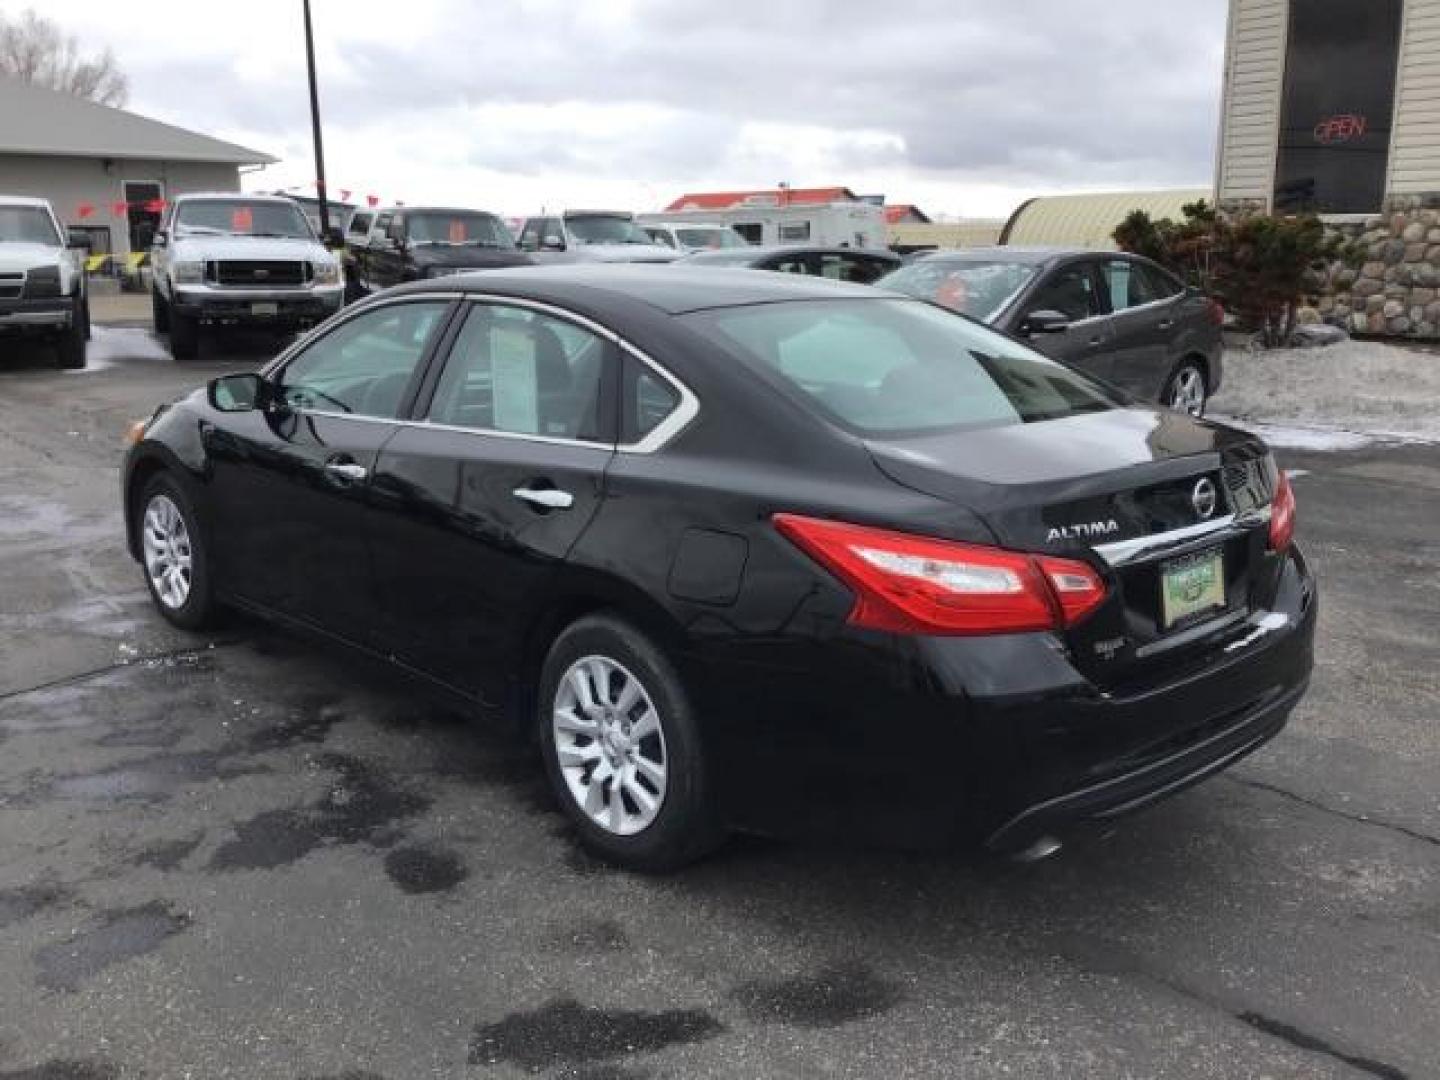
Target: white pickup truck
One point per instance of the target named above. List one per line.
(229, 260)
(42, 279)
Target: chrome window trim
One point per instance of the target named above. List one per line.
(679, 418)
(1122, 552)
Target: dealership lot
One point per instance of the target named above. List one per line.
(245, 856)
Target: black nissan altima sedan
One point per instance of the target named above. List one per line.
(749, 552)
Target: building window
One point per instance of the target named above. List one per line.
(795, 232)
(1338, 104)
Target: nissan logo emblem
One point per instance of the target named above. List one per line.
(1203, 497)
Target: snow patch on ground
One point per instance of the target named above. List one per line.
(110, 343)
(1332, 397)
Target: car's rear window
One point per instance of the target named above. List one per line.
(894, 367)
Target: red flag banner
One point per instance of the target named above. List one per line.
(344, 194)
(155, 206)
(119, 209)
(84, 210)
(372, 200)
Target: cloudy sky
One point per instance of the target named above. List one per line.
(962, 107)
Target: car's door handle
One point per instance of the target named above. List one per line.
(346, 470)
(1166, 325)
(549, 498)
(1094, 343)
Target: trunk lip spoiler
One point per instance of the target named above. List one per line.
(1123, 552)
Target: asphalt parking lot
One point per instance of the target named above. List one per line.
(245, 856)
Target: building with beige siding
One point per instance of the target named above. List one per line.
(106, 170)
(1333, 106)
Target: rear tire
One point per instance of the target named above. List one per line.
(184, 336)
(159, 311)
(1187, 390)
(633, 778)
(173, 556)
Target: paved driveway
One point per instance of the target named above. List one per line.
(244, 856)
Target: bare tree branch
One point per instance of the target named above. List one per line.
(34, 49)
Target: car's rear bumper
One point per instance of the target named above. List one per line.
(51, 313)
(997, 740)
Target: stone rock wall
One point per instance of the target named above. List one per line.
(1395, 290)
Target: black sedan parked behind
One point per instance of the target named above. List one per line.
(749, 551)
(859, 265)
(1119, 317)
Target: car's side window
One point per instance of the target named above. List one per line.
(1071, 291)
(648, 399)
(359, 225)
(792, 264)
(524, 372)
(382, 225)
(856, 268)
(364, 366)
(1127, 285)
(1159, 282)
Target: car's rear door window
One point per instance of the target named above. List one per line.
(895, 366)
(523, 372)
(1127, 285)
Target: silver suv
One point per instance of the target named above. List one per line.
(591, 236)
(42, 281)
(229, 260)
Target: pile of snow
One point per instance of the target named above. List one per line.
(1364, 387)
(111, 343)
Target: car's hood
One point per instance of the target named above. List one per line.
(17, 256)
(467, 258)
(1025, 479)
(249, 247)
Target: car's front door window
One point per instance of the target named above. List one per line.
(1070, 291)
(364, 366)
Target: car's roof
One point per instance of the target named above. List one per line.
(1011, 253)
(22, 200)
(673, 289)
(765, 251)
(409, 209)
(248, 196)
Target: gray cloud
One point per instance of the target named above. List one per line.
(1046, 91)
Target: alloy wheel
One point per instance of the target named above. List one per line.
(169, 561)
(1187, 391)
(610, 745)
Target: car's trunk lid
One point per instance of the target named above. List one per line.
(1139, 494)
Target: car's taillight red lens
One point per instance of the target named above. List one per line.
(1282, 513)
(1216, 312)
(916, 585)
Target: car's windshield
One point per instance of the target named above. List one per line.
(893, 367)
(445, 227)
(242, 217)
(27, 225)
(605, 229)
(711, 238)
(979, 288)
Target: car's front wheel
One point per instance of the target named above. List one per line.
(184, 336)
(70, 346)
(159, 311)
(177, 569)
(1186, 390)
(622, 747)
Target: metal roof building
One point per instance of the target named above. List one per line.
(106, 170)
(1088, 220)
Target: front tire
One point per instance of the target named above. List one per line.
(622, 748)
(184, 336)
(159, 311)
(70, 346)
(176, 564)
(1186, 390)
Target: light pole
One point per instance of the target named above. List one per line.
(315, 126)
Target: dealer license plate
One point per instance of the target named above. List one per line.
(264, 309)
(1193, 584)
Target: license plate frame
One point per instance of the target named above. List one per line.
(1192, 585)
(265, 309)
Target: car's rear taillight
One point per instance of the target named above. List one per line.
(1282, 513)
(1215, 312)
(915, 585)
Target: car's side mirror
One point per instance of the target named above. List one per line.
(1044, 322)
(553, 243)
(161, 238)
(240, 393)
(79, 238)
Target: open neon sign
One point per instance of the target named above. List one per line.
(1342, 127)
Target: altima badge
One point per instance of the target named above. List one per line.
(1203, 498)
(1083, 530)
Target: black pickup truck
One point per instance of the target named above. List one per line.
(408, 243)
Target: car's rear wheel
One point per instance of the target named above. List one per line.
(184, 336)
(1186, 390)
(622, 747)
(177, 569)
(159, 311)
